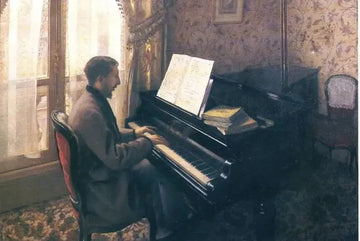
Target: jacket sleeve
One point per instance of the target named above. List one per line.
(116, 156)
(127, 134)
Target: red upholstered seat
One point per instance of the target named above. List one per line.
(65, 161)
(68, 153)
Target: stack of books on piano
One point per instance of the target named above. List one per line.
(229, 120)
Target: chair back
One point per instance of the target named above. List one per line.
(341, 97)
(68, 153)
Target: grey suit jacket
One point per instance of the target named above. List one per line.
(104, 168)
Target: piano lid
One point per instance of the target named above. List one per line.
(268, 79)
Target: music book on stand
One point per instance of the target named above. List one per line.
(187, 83)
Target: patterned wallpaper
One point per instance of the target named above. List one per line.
(321, 34)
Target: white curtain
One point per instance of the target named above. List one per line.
(20, 24)
(94, 27)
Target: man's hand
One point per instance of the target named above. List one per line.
(144, 129)
(156, 139)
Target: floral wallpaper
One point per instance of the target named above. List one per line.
(321, 34)
(232, 46)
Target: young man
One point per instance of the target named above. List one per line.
(119, 185)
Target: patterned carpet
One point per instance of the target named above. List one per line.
(313, 204)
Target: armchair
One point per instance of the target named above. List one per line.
(68, 153)
(338, 130)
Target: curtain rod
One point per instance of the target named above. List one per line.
(284, 57)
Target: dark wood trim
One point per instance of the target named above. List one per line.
(31, 185)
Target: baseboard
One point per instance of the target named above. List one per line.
(31, 185)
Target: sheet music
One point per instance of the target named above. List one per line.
(186, 81)
(173, 77)
(193, 88)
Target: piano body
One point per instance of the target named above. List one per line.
(217, 168)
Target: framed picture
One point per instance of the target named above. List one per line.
(227, 11)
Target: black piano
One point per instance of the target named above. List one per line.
(217, 168)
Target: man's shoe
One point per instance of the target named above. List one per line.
(163, 234)
(174, 236)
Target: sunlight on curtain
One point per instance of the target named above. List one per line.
(20, 25)
(94, 28)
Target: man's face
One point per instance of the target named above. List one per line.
(110, 82)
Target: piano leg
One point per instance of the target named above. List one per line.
(264, 218)
(304, 150)
(264, 213)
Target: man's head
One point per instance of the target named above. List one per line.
(103, 74)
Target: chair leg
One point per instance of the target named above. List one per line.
(81, 235)
(151, 218)
(356, 160)
(88, 237)
(330, 153)
(356, 163)
(85, 236)
(330, 157)
(313, 152)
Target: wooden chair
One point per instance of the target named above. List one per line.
(338, 130)
(68, 153)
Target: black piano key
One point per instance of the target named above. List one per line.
(213, 174)
(195, 162)
(202, 166)
(206, 170)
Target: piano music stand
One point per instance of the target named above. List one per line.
(202, 106)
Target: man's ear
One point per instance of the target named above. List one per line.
(98, 82)
(99, 78)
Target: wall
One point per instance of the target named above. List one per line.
(30, 185)
(324, 34)
(321, 34)
(232, 46)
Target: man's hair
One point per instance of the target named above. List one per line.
(99, 66)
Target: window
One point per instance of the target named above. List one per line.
(44, 45)
(92, 28)
(25, 75)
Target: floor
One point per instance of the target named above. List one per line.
(315, 201)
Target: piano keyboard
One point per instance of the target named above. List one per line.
(182, 162)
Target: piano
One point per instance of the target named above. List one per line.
(217, 168)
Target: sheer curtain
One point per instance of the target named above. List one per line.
(20, 25)
(94, 28)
